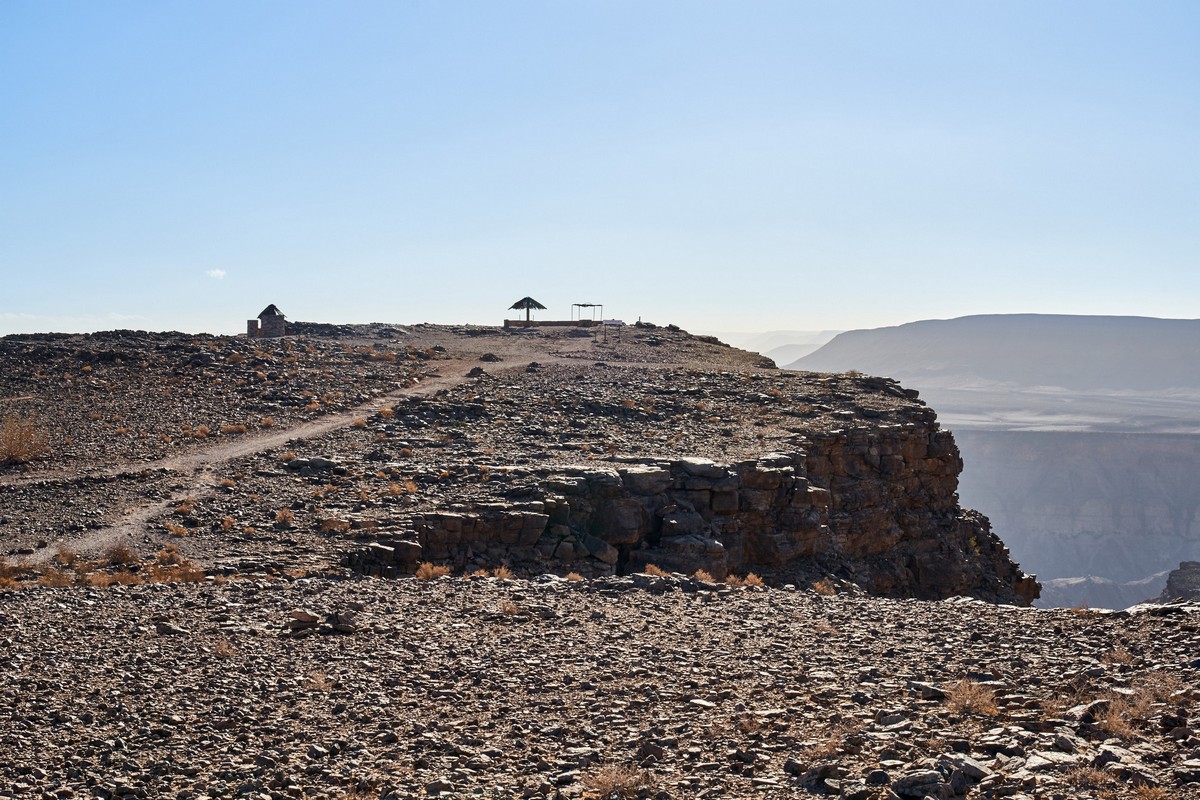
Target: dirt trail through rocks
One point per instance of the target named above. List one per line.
(196, 472)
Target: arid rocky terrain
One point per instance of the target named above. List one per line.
(208, 582)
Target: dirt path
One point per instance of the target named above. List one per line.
(195, 475)
(198, 471)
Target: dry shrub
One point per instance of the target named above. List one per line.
(395, 489)
(509, 607)
(750, 724)
(284, 518)
(65, 556)
(169, 556)
(200, 432)
(502, 572)
(654, 569)
(752, 580)
(358, 422)
(288, 455)
(427, 571)
(120, 554)
(1117, 655)
(1084, 777)
(481, 573)
(228, 523)
(334, 525)
(227, 429)
(20, 439)
(224, 648)
(835, 740)
(616, 782)
(971, 697)
(824, 587)
(387, 413)
(702, 575)
(184, 572)
(8, 570)
(574, 576)
(120, 578)
(175, 529)
(317, 681)
(1126, 712)
(55, 578)
(266, 422)
(227, 483)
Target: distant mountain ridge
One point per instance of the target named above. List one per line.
(1080, 436)
(1073, 352)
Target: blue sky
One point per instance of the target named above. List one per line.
(720, 165)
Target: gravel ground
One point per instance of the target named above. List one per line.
(509, 688)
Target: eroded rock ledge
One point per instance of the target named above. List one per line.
(875, 505)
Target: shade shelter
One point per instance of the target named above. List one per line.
(528, 304)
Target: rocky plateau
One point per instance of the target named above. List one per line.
(410, 561)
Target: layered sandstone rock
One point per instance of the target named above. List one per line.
(876, 505)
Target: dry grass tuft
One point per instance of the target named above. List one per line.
(971, 697)
(427, 571)
(509, 607)
(1117, 655)
(502, 572)
(224, 648)
(654, 569)
(20, 439)
(230, 429)
(120, 554)
(702, 575)
(284, 518)
(616, 782)
(55, 578)
(1083, 777)
(317, 681)
(333, 525)
(184, 572)
(1127, 712)
(835, 740)
(574, 576)
(752, 580)
(824, 587)
(169, 556)
(65, 556)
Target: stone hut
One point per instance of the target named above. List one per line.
(270, 323)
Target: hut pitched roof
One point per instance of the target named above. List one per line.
(270, 311)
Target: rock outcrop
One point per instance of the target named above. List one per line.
(1183, 583)
(874, 505)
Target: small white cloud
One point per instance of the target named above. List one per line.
(216, 274)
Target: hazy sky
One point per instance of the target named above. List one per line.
(720, 165)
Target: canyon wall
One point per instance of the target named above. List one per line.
(873, 504)
(1117, 506)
